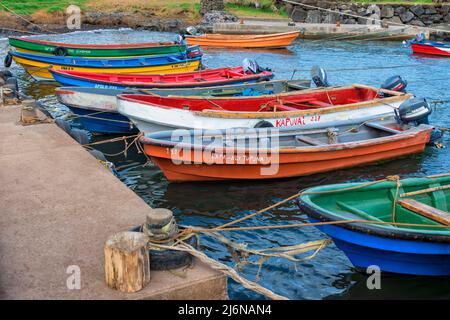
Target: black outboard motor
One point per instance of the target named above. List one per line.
(319, 77)
(395, 83)
(414, 111)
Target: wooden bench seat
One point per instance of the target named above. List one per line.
(427, 211)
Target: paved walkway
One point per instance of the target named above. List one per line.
(57, 207)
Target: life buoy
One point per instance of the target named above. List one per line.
(60, 51)
(8, 60)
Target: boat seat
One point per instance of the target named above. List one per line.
(309, 140)
(427, 211)
(284, 108)
(320, 103)
(381, 127)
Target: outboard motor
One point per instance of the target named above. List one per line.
(179, 39)
(395, 83)
(251, 66)
(415, 111)
(319, 77)
(191, 30)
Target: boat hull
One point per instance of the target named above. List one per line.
(80, 50)
(38, 66)
(103, 122)
(150, 118)
(207, 78)
(431, 48)
(101, 99)
(391, 255)
(290, 164)
(278, 40)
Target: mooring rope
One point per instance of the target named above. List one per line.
(24, 19)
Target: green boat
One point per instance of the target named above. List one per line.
(95, 50)
(412, 237)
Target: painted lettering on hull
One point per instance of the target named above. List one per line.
(298, 121)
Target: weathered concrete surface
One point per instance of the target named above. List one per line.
(318, 30)
(57, 207)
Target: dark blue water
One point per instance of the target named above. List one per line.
(330, 274)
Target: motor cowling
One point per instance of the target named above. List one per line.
(191, 30)
(414, 111)
(395, 83)
(319, 77)
(251, 66)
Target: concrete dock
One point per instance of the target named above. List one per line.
(318, 30)
(58, 205)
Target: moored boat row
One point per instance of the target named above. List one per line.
(236, 123)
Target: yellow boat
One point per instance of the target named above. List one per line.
(38, 65)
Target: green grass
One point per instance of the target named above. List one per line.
(395, 2)
(31, 6)
(254, 12)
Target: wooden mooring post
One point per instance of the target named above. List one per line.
(127, 264)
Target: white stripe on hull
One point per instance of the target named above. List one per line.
(89, 101)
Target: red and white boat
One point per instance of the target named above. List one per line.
(430, 47)
(305, 109)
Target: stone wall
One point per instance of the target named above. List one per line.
(418, 15)
(211, 5)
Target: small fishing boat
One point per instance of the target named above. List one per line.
(275, 40)
(430, 47)
(201, 78)
(306, 108)
(25, 44)
(98, 107)
(395, 225)
(38, 65)
(270, 153)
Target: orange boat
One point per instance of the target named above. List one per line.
(268, 153)
(275, 40)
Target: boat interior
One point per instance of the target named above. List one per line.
(272, 138)
(199, 76)
(291, 102)
(419, 201)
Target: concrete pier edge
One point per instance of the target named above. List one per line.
(58, 206)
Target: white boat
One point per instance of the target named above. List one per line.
(311, 108)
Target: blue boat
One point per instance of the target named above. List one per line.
(38, 65)
(103, 122)
(417, 243)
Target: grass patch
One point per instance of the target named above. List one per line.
(187, 9)
(31, 6)
(395, 2)
(244, 12)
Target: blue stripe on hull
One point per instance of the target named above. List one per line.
(391, 255)
(102, 122)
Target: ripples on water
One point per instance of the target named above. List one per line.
(330, 274)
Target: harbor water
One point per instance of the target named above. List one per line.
(329, 275)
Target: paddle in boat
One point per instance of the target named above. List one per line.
(99, 106)
(399, 226)
(26, 44)
(275, 40)
(201, 78)
(38, 65)
(306, 108)
(421, 45)
(269, 153)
